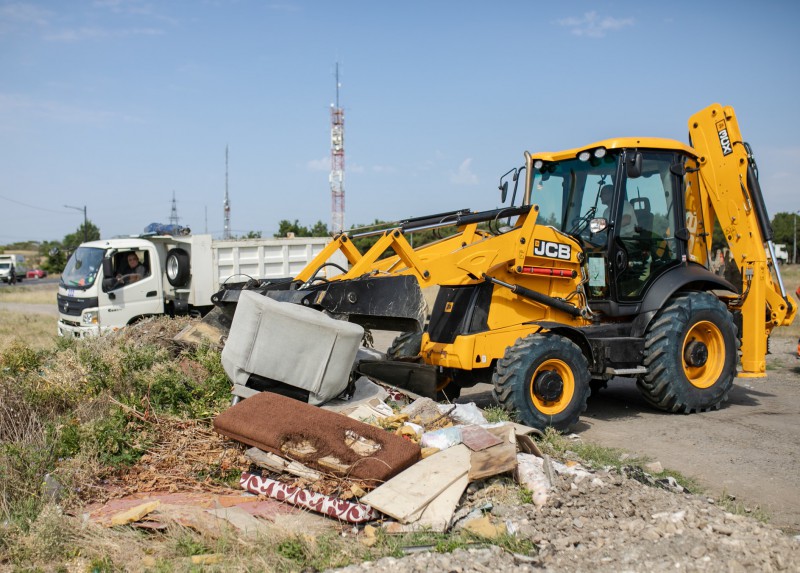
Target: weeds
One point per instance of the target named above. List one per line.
(600, 457)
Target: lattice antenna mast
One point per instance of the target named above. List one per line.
(337, 163)
(173, 216)
(226, 233)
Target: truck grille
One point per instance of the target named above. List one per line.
(73, 306)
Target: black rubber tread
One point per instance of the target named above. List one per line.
(406, 345)
(512, 378)
(665, 386)
(184, 268)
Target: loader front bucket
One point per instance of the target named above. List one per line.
(375, 302)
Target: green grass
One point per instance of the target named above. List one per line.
(731, 505)
(601, 457)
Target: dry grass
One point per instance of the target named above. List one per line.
(30, 294)
(34, 330)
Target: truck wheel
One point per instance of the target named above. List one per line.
(545, 377)
(178, 268)
(405, 346)
(690, 354)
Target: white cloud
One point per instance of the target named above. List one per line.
(464, 174)
(323, 164)
(13, 106)
(594, 26)
(22, 13)
(78, 34)
(383, 169)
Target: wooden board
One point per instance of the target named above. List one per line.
(409, 492)
(497, 459)
(278, 464)
(436, 516)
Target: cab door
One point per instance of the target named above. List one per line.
(647, 217)
(121, 305)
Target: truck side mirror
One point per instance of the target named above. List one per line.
(633, 165)
(503, 191)
(108, 274)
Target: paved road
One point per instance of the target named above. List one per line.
(50, 309)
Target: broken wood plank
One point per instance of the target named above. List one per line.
(278, 464)
(438, 514)
(409, 492)
(497, 459)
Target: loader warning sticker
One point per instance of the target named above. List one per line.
(552, 250)
(724, 138)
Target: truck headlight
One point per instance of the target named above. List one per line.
(90, 317)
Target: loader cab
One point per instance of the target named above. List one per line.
(625, 207)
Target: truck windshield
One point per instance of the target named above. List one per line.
(568, 192)
(82, 267)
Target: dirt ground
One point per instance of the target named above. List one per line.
(749, 449)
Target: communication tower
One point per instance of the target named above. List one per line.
(337, 163)
(173, 216)
(226, 233)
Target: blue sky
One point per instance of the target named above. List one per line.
(116, 104)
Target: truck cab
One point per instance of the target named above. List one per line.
(93, 295)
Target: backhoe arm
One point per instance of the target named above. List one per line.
(732, 194)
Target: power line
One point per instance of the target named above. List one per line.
(33, 206)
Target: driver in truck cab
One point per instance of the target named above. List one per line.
(134, 272)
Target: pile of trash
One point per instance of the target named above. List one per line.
(380, 456)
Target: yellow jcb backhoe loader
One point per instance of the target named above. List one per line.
(603, 270)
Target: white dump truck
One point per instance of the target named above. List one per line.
(12, 268)
(100, 292)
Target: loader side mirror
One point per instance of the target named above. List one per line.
(678, 169)
(503, 191)
(633, 165)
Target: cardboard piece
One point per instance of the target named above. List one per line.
(477, 438)
(496, 459)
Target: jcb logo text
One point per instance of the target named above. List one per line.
(724, 140)
(552, 250)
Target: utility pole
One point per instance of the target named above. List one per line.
(85, 221)
(794, 248)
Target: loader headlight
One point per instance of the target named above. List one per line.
(589, 154)
(89, 317)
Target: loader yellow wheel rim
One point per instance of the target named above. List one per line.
(703, 354)
(559, 404)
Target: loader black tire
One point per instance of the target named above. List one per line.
(537, 365)
(690, 353)
(178, 267)
(405, 346)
